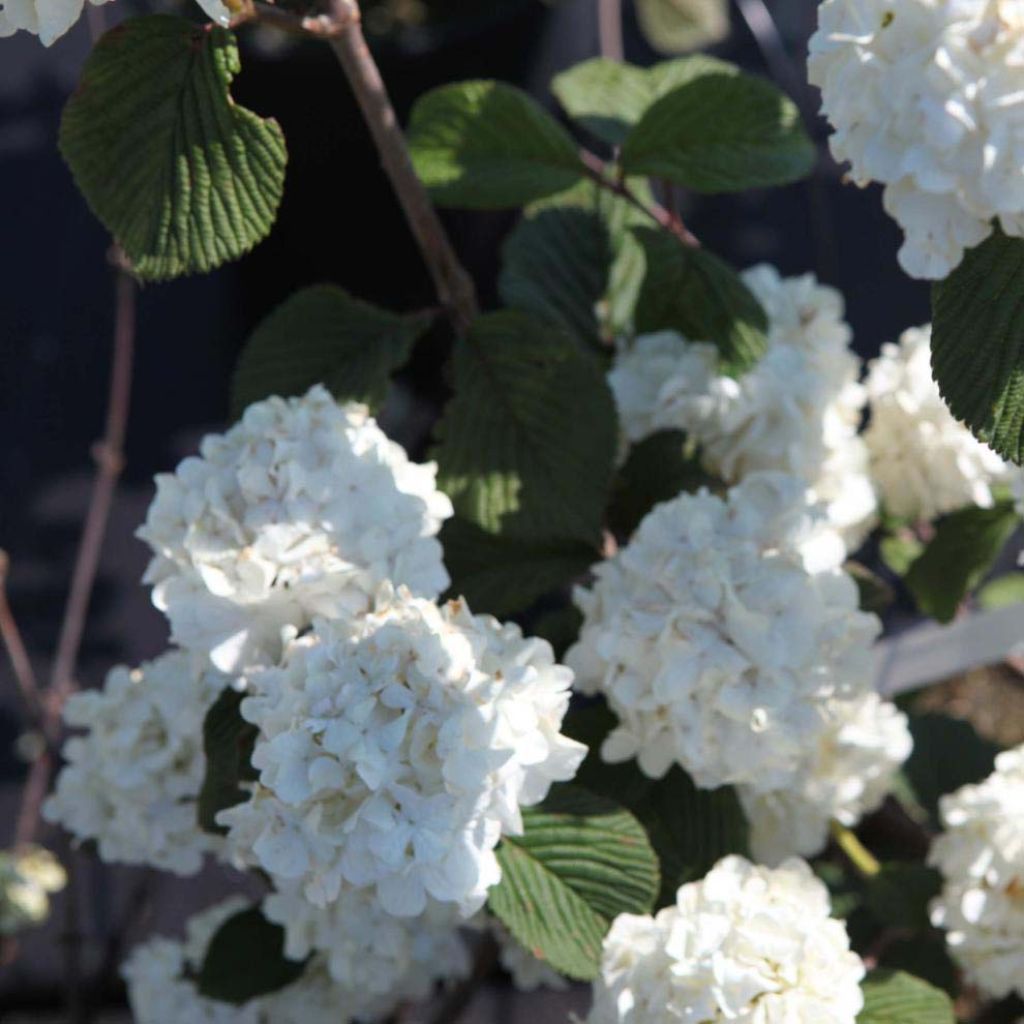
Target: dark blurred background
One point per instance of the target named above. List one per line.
(338, 223)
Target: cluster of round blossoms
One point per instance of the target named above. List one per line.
(845, 775)
(796, 411)
(396, 748)
(302, 509)
(721, 634)
(981, 856)
(925, 97)
(131, 782)
(923, 461)
(746, 944)
(29, 874)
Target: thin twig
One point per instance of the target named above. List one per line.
(609, 29)
(21, 664)
(856, 852)
(454, 286)
(670, 221)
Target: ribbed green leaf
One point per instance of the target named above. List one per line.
(183, 178)
(978, 342)
(693, 292)
(581, 861)
(721, 132)
(228, 741)
(608, 97)
(892, 997)
(963, 550)
(487, 145)
(502, 575)
(675, 26)
(245, 959)
(321, 335)
(528, 441)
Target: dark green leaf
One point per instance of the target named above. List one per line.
(899, 894)
(658, 469)
(1001, 592)
(581, 861)
(321, 335)
(487, 145)
(182, 177)
(675, 26)
(501, 575)
(926, 957)
(721, 132)
(608, 97)
(245, 959)
(527, 443)
(892, 997)
(695, 293)
(947, 754)
(978, 342)
(228, 741)
(965, 546)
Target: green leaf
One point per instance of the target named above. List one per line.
(947, 754)
(182, 177)
(721, 132)
(501, 575)
(899, 551)
(875, 594)
(581, 861)
(487, 145)
(978, 342)
(675, 26)
(1002, 592)
(228, 740)
(899, 895)
(693, 292)
(528, 441)
(962, 552)
(659, 468)
(245, 959)
(608, 97)
(892, 997)
(690, 829)
(321, 335)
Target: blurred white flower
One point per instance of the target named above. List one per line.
(721, 633)
(368, 951)
(394, 751)
(923, 461)
(301, 509)
(848, 774)
(981, 857)
(797, 410)
(746, 944)
(131, 782)
(29, 874)
(925, 97)
(48, 19)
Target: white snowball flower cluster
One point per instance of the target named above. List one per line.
(981, 856)
(368, 951)
(797, 410)
(395, 749)
(846, 775)
(29, 875)
(720, 634)
(746, 944)
(924, 96)
(132, 780)
(923, 461)
(160, 992)
(303, 508)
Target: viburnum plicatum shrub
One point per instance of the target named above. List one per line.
(585, 689)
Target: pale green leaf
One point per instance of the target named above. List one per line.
(181, 176)
(1001, 592)
(676, 26)
(893, 997)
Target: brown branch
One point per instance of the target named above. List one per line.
(609, 29)
(453, 284)
(597, 171)
(21, 664)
